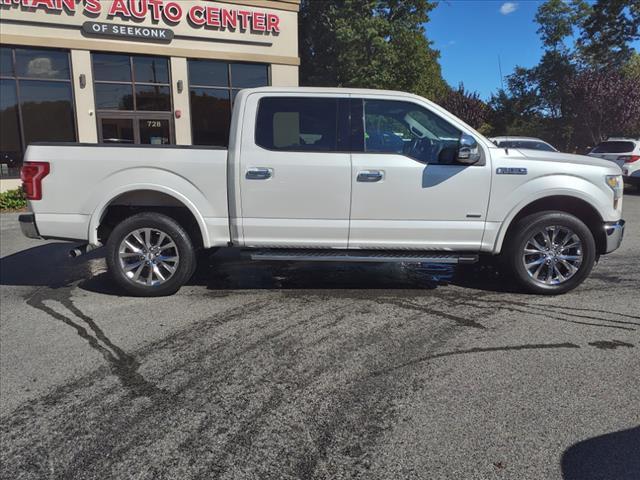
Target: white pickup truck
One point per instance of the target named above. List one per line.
(319, 174)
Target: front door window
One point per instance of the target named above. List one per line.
(405, 128)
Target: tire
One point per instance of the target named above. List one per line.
(150, 255)
(557, 268)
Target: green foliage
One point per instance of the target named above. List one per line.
(557, 20)
(580, 92)
(632, 68)
(369, 44)
(607, 32)
(12, 200)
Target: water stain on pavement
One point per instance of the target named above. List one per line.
(123, 365)
(610, 345)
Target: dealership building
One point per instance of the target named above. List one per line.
(135, 71)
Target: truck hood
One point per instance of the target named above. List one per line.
(560, 157)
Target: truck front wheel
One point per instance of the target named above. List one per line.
(550, 252)
(150, 255)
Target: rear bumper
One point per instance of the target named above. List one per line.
(614, 232)
(28, 225)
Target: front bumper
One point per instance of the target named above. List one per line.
(28, 225)
(614, 232)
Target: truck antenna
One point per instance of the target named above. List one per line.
(506, 135)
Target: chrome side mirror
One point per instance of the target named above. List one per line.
(468, 150)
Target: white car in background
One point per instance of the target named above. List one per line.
(528, 143)
(625, 152)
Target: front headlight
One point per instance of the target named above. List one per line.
(616, 184)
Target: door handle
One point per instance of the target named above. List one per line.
(370, 176)
(259, 173)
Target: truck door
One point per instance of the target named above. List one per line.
(409, 191)
(295, 171)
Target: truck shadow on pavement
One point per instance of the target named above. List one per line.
(50, 266)
(405, 286)
(612, 456)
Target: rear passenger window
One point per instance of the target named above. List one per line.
(298, 124)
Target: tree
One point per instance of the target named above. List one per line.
(555, 100)
(608, 31)
(557, 20)
(369, 44)
(632, 68)
(606, 103)
(467, 106)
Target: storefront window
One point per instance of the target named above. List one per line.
(35, 87)
(133, 98)
(42, 64)
(110, 67)
(117, 76)
(213, 88)
(153, 98)
(112, 96)
(9, 128)
(40, 102)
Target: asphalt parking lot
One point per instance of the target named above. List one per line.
(261, 370)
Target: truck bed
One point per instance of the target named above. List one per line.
(85, 179)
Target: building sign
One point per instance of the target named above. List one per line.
(168, 12)
(149, 34)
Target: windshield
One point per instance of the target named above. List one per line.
(527, 144)
(614, 147)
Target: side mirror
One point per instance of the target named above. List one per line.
(468, 150)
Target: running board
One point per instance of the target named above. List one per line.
(377, 256)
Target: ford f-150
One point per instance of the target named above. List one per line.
(319, 174)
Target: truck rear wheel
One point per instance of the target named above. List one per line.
(550, 252)
(150, 255)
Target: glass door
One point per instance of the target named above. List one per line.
(117, 130)
(154, 131)
(135, 129)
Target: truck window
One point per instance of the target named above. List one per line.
(405, 128)
(298, 124)
(614, 147)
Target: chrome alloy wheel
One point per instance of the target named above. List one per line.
(148, 256)
(553, 255)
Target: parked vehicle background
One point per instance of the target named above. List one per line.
(625, 152)
(530, 143)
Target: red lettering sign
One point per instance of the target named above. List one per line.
(169, 11)
(93, 7)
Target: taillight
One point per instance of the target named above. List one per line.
(629, 158)
(31, 175)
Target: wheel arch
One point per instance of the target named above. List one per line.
(578, 207)
(155, 198)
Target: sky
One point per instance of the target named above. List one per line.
(471, 34)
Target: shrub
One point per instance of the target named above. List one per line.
(12, 200)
